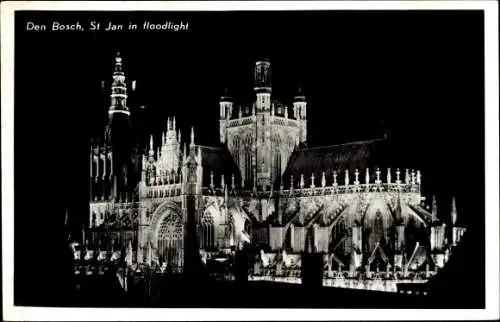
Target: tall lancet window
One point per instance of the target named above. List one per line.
(206, 232)
(248, 165)
(236, 150)
(378, 233)
(277, 164)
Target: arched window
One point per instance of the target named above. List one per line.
(206, 232)
(236, 150)
(277, 164)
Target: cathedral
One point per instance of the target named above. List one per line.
(264, 188)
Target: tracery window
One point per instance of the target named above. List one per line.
(171, 240)
(206, 232)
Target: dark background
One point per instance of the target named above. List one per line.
(421, 72)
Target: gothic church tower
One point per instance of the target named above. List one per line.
(261, 137)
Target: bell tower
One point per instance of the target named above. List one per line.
(263, 90)
(119, 134)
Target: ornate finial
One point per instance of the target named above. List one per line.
(211, 179)
(151, 148)
(163, 138)
(388, 175)
(312, 180)
(334, 177)
(434, 206)
(192, 136)
(323, 179)
(378, 176)
(198, 155)
(286, 112)
(397, 176)
(118, 59)
(222, 183)
(179, 136)
(413, 177)
(346, 177)
(173, 124)
(453, 211)
(301, 181)
(356, 177)
(232, 182)
(168, 124)
(419, 177)
(240, 112)
(291, 181)
(407, 176)
(367, 176)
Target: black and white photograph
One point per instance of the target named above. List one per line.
(330, 157)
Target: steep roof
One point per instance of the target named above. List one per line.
(350, 156)
(218, 160)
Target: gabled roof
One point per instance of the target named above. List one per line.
(218, 160)
(420, 256)
(378, 252)
(350, 156)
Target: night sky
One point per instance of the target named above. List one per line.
(420, 72)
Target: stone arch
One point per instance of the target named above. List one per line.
(376, 221)
(239, 222)
(338, 233)
(167, 235)
(207, 228)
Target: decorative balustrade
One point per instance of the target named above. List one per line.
(242, 121)
(163, 191)
(318, 186)
(319, 191)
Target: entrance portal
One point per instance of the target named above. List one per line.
(170, 241)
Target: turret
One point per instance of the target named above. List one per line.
(226, 110)
(456, 230)
(262, 85)
(300, 113)
(118, 90)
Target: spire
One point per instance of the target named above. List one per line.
(192, 136)
(173, 124)
(300, 95)
(434, 207)
(118, 64)
(118, 89)
(225, 97)
(453, 211)
(151, 148)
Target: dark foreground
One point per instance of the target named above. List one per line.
(180, 294)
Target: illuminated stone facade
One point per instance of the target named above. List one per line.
(261, 186)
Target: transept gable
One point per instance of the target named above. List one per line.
(378, 253)
(377, 207)
(420, 256)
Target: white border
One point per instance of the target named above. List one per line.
(491, 157)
